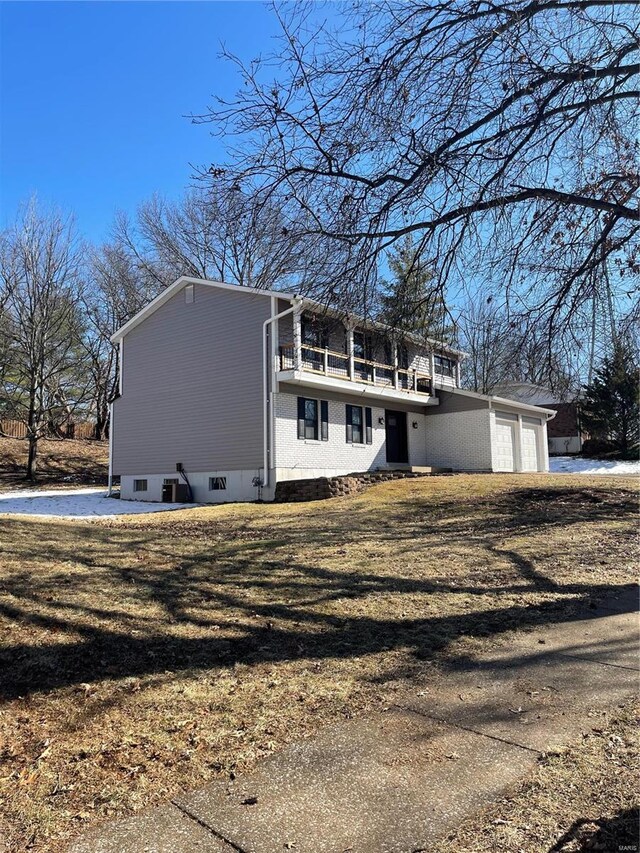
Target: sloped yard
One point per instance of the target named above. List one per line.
(148, 655)
(59, 463)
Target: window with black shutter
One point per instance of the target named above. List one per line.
(368, 424)
(403, 357)
(355, 426)
(307, 418)
(315, 331)
(324, 420)
(444, 366)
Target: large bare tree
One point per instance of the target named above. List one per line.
(41, 326)
(499, 134)
(214, 231)
(501, 348)
(218, 231)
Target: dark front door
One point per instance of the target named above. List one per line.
(395, 425)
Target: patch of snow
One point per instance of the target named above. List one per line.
(74, 503)
(579, 465)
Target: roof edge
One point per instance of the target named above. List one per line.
(177, 285)
(379, 325)
(173, 288)
(490, 398)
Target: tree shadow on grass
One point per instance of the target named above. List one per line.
(610, 835)
(164, 606)
(102, 653)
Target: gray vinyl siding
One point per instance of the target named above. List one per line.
(192, 386)
(285, 324)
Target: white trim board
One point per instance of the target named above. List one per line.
(321, 382)
(501, 401)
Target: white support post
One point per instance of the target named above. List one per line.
(373, 374)
(325, 361)
(432, 371)
(458, 373)
(415, 379)
(394, 350)
(545, 446)
(350, 351)
(297, 338)
(518, 447)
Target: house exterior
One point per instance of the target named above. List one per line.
(233, 390)
(564, 432)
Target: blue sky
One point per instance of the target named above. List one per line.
(93, 97)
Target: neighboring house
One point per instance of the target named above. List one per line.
(235, 389)
(564, 433)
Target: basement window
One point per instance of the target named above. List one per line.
(216, 484)
(190, 294)
(139, 485)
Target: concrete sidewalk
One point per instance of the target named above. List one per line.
(396, 781)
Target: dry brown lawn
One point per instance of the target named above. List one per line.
(142, 657)
(582, 799)
(59, 463)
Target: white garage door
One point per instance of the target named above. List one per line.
(504, 452)
(530, 443)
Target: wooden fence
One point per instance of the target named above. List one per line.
(18, 429)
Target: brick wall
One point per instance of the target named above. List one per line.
(458, 434)
(565, 422)
(335, 455)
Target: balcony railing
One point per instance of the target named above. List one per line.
(337, 365)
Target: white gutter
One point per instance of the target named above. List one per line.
(265, 388)
(528, 407)
(502, 401)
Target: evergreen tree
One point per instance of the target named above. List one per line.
(410, 301)
(610, 407)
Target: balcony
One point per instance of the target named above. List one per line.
(323, 368)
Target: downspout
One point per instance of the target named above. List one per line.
(110, 481)
(265, 388)
(550, 417)
(111, 427)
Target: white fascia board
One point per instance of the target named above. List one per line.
(502, 401)
(177, 285)
(354, 389)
